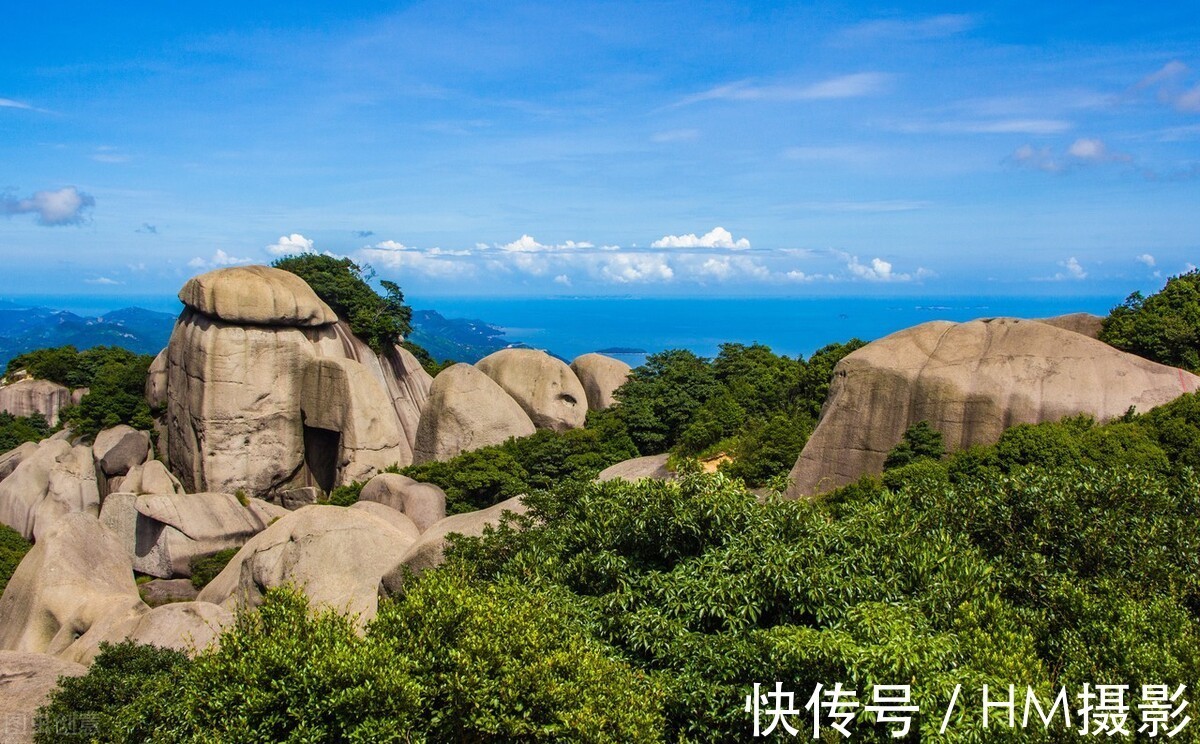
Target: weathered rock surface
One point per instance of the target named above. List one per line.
(267, 391)
(156, 382)
(543, 386)
(423, 503)
(151, 477)
(336, 555)
(971, 381)
(182, 626)
(55, 480)
(258, 295)
(26, 680)
(166, 591)
(294, 498)
(430, 550)
(600, 376)
(29, 396)
(120, 448)
(11, 459)
(76, 576)
(466, 411)
(651, 466)
(172, 530)
(1085, 323)
(399, 520)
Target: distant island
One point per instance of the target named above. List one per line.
(621, 350)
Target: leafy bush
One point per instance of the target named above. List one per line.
(1164, 327)
(920, 441)
(205, 569)
(96, 706)
(16, 430)
(346, 495)
(343, 285)
(13, 548)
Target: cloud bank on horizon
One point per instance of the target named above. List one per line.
(797, 150)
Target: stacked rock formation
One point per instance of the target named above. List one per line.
(971, 381)
(29, 396)
(266, 390)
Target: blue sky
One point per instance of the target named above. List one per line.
(645, 148)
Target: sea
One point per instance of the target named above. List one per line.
(630, 328)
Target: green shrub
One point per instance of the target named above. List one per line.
(13, 548)
(16, 430)
(1164, 327)
(920, 441)
(205, 569)
(346, 495)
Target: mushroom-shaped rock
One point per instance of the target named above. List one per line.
(600, 376)
(172, 530)
(466, 411)
(26, 681)
(970, 381)
(638, 468)
(334, 554)
(120, 448)
(1085, 323)
(156, 381)
(258, 295)
(430, 550)
(29, 396)
(55, 480)
(340, 396)
(423, 503)
(545, 387)
(75, 576)
(183, 626)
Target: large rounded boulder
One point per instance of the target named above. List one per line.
(600, 376)
(52, 481)
(466, 411)
(970, 381)
(546, 388)
(29, 396)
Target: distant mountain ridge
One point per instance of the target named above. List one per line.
(144, 331)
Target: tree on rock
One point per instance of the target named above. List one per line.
(1164, 327)
(377, 319)
(920, 442)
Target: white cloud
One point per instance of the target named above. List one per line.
(893, 205)
(219, 258)
(718, 237)
(1087, 149)
(726, 267)
(676, 135)
(102, 280)
(854, 85)
(1041, 158)
(395, 255)
(1083, 151)
(1074, 271)
(630, 268)
(563, 279)
(881, 271)
(922, 29)
(527, 244)
(291, 245)
(1147, 259)
(66, 206)
(988, 126)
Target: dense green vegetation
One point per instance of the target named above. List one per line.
(205, 569)
(380, 320)
(13, 548)
(115, 378)
(920, 441)
(1164, 327)
(16, 430)
(545, 460)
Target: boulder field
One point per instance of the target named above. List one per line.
(971, 381)
(267, 402)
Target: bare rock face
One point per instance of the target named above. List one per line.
(423, 503)
(120, 448)
(76, 576)
(170, 531)
(466, 411)
(430, 550)
(159, 592)
(267, 391)
(600, 376)
(11, 459)
(638, 468)
(399, 520)
(27, 397)
(971, 381)
(55, 480)
(156, 382)
(334, 554)
(189, 627)
(1086, 323)
(545, 388)
(151, 477)
(26, 681)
